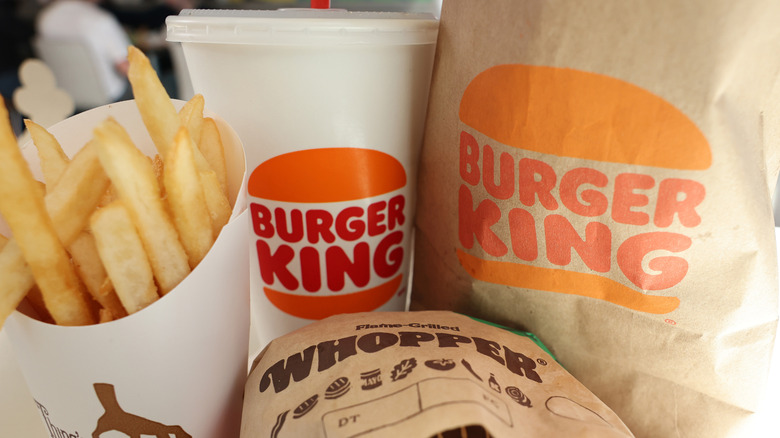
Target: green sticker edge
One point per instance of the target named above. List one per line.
(528, 335)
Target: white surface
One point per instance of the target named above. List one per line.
(19, 416)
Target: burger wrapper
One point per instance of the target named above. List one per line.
(416, 374)
(175, 367)
(599, 174)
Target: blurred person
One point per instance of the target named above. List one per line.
(15, 34)
(87, 21)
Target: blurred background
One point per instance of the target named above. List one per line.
(61, 57)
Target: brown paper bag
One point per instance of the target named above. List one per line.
(416, 375)
(599, 173)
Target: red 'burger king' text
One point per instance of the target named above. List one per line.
(575, 192)
(295, 236)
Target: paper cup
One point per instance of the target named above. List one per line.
(177, 366)
(331, 106)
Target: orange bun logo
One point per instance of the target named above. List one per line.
(329, 225)
(570, 113)
(531, 220)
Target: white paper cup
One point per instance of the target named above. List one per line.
(331, 107)
(176, 365)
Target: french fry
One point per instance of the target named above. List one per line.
(34, 299)
(213, 151)
(159, 170)
(54, 161)
(133, 178)
(16, 279)
(161, 120)
(89, 266)
(78, 192)
(105, 316)
(52, 158)
(25, 211)
(217, 202)
(108, 197)
(186, 200)
(216, 199)
(41, 187)
(3, 241)
(124, 257)
(81, 247)
(156, 108)
(69, 204)
(191, 116)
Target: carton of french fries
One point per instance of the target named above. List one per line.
(124, 268)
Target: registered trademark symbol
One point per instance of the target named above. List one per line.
(670, 321)
(541, 362)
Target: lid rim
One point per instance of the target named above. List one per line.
(281, 29)
(291, 13)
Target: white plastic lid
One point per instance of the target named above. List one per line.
(301, 27)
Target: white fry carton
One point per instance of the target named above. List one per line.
(175, 368)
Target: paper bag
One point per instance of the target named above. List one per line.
(599, 173)
(416, 375)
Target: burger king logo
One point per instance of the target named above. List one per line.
(556, 162)
(330, 227)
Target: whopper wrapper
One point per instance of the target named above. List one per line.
(175, 367)
(416, 374)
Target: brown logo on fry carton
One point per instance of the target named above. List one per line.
(588, 118)
(117, 419)
(328, 228)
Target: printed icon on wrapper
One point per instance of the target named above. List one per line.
(467, 365)
(371, 379)
(440, 364)
(306, 407)
(403, 368)
(517, 395)
(494, 383)
(338, 388)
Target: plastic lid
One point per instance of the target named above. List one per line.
(301, 27)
